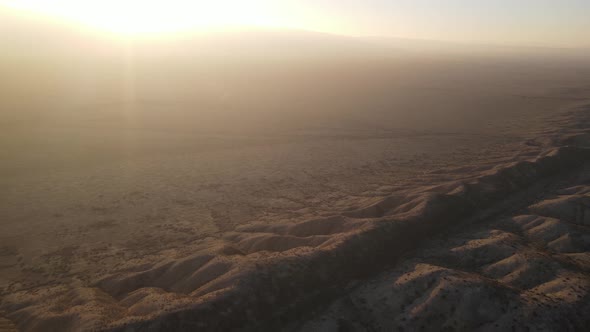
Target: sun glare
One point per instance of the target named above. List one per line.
(137, 16)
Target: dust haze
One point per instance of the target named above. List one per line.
(148, 182)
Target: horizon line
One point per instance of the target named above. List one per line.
(71, 24)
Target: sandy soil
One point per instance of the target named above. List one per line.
(149, 214)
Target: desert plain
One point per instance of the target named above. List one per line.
(300, 182)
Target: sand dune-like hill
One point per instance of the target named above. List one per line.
(522, 272)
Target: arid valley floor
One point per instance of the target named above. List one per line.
(371, 192)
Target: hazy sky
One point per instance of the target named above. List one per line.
(532, 22)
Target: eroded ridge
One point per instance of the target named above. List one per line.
(524, 272)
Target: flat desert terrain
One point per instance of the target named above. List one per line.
(344, 191)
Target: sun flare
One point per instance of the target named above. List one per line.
(136, 16)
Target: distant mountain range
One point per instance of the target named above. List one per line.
(37, 35)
